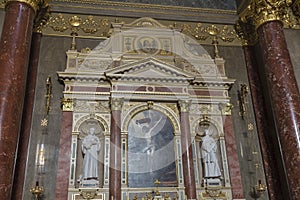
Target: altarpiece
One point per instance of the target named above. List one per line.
(151, 69)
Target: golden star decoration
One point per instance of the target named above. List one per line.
(44, 122)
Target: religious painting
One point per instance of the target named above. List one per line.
(147, 45)
(151, 152)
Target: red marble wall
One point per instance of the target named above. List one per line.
(233, 160)
(63, 168)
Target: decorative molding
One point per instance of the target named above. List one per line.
(136, 6)
(100, 27)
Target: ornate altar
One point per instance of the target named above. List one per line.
(151, 73)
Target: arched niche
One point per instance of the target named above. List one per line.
(83, 129)
(209, 155)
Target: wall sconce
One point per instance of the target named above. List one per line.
(37, 191)
(258, 190)
(242, 95)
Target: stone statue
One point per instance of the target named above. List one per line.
(90, 149)
(209, 156)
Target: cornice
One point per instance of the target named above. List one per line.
(145, 6)
(124, 9)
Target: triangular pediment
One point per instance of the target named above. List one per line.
(150, 69)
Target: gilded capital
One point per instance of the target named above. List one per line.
(42, 16)
(32, 3)
(259, 12)
(246, 33)
(116, 104)
(225, 108)
(184, 105)
(296, 8)
(67, 104)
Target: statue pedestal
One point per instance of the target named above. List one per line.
(211, 182)
(90, 183)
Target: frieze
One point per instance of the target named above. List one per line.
(92, 106)
(100, 27)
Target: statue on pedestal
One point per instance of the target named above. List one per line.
(90, 149)
(209, 156)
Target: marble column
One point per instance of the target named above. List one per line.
(115, 150)
(284, 98)
(21, 161)
(187, 154)
(263, 126)
(14, 57)
(232, 159)
(266, 18)
(63, 166)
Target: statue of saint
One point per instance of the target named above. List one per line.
(209, 156)
(90, 149)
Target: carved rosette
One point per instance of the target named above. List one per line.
(257, 13)
(116, 104)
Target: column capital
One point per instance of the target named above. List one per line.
(184, 105)
(67, 104)
(259, 12)
(296, 8)
(42, 16)
(246, 33)
(116, 104)
(35, 4)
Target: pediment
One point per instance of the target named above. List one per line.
(149, 69)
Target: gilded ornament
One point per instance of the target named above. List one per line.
(89, 25)
(42, 16)
(44, 122)
(58, 23)
(296, 8)
(32, 3)
(67, 104)
(225, 108)
(246, 33)
(259, 12)
(214, 192)
(184, 105)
